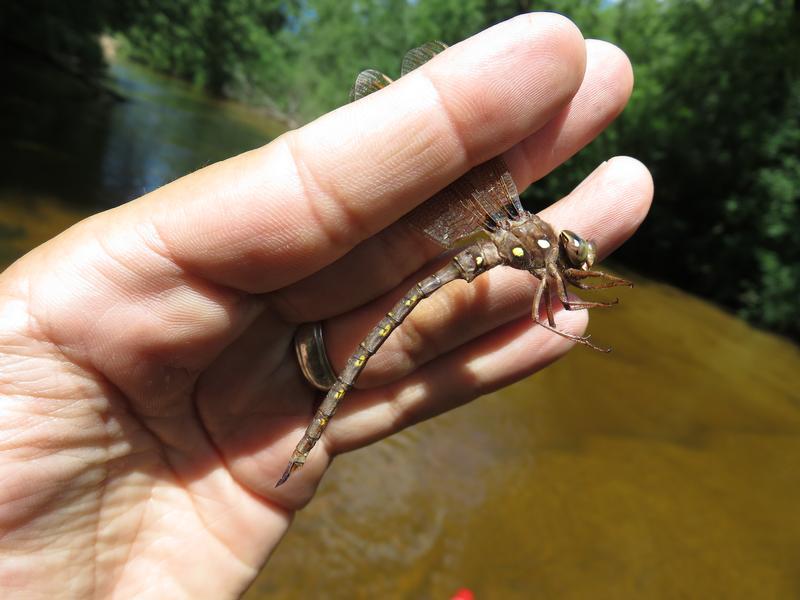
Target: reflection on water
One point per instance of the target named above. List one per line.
(176, 132)
(29, 220)
(81, 151)
(666, 469)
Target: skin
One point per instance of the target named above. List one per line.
(149, 389)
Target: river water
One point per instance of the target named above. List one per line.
(668, 469)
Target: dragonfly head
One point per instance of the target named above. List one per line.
(576, 251)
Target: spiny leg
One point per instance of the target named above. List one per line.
(581, 285)
(561, 286)
(537, 298)
(581, 339)
(548, 304)
(574, 276)
(542, 293)
(550, 326)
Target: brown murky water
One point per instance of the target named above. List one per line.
(668, 469)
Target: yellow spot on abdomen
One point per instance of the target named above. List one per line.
(384, 331)
(322, 421)
(360, 360)
(412, 301)
(339, 393)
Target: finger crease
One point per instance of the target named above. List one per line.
(452, 123)
(343, 232)
(415, 344)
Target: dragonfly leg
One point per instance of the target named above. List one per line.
(548, 304)
(561, 286)
(581, 339)
(538, 297)
(574, 276)
(550, 323)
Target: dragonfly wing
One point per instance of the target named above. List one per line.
(479, 199)
(498, 194)
(449, 215)
(511, 191)
(419, 56)
(367, 82)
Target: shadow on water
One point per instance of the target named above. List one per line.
(666, 469)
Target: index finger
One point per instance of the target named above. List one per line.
(274, 215)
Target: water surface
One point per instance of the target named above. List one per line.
(668, 469)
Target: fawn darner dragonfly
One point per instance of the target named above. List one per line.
(483, 201)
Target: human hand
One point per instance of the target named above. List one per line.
(151, 395)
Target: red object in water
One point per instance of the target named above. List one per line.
(463, 594)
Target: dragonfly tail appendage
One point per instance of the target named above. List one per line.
(293, 466)
(298, 456)
(318, 424)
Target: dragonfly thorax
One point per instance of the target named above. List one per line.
(526, 243)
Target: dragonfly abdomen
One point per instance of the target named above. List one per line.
(467, 264)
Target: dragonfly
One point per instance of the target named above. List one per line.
(483, 205)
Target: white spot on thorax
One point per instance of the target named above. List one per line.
(543, 244)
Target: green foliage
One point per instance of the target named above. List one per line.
(291, 56)
(228, 47)
(769, 293)
(715, 115)
(335, 40)
(716, 119)
(55, 30)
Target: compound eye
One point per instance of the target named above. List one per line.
(577, 250)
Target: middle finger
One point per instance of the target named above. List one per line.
(385, 260)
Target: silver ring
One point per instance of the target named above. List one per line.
(311, 355)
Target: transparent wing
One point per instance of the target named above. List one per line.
(495, 190)
(367, 82)
(419, 56)
(477, 200)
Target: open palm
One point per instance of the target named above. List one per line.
(150, 393)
